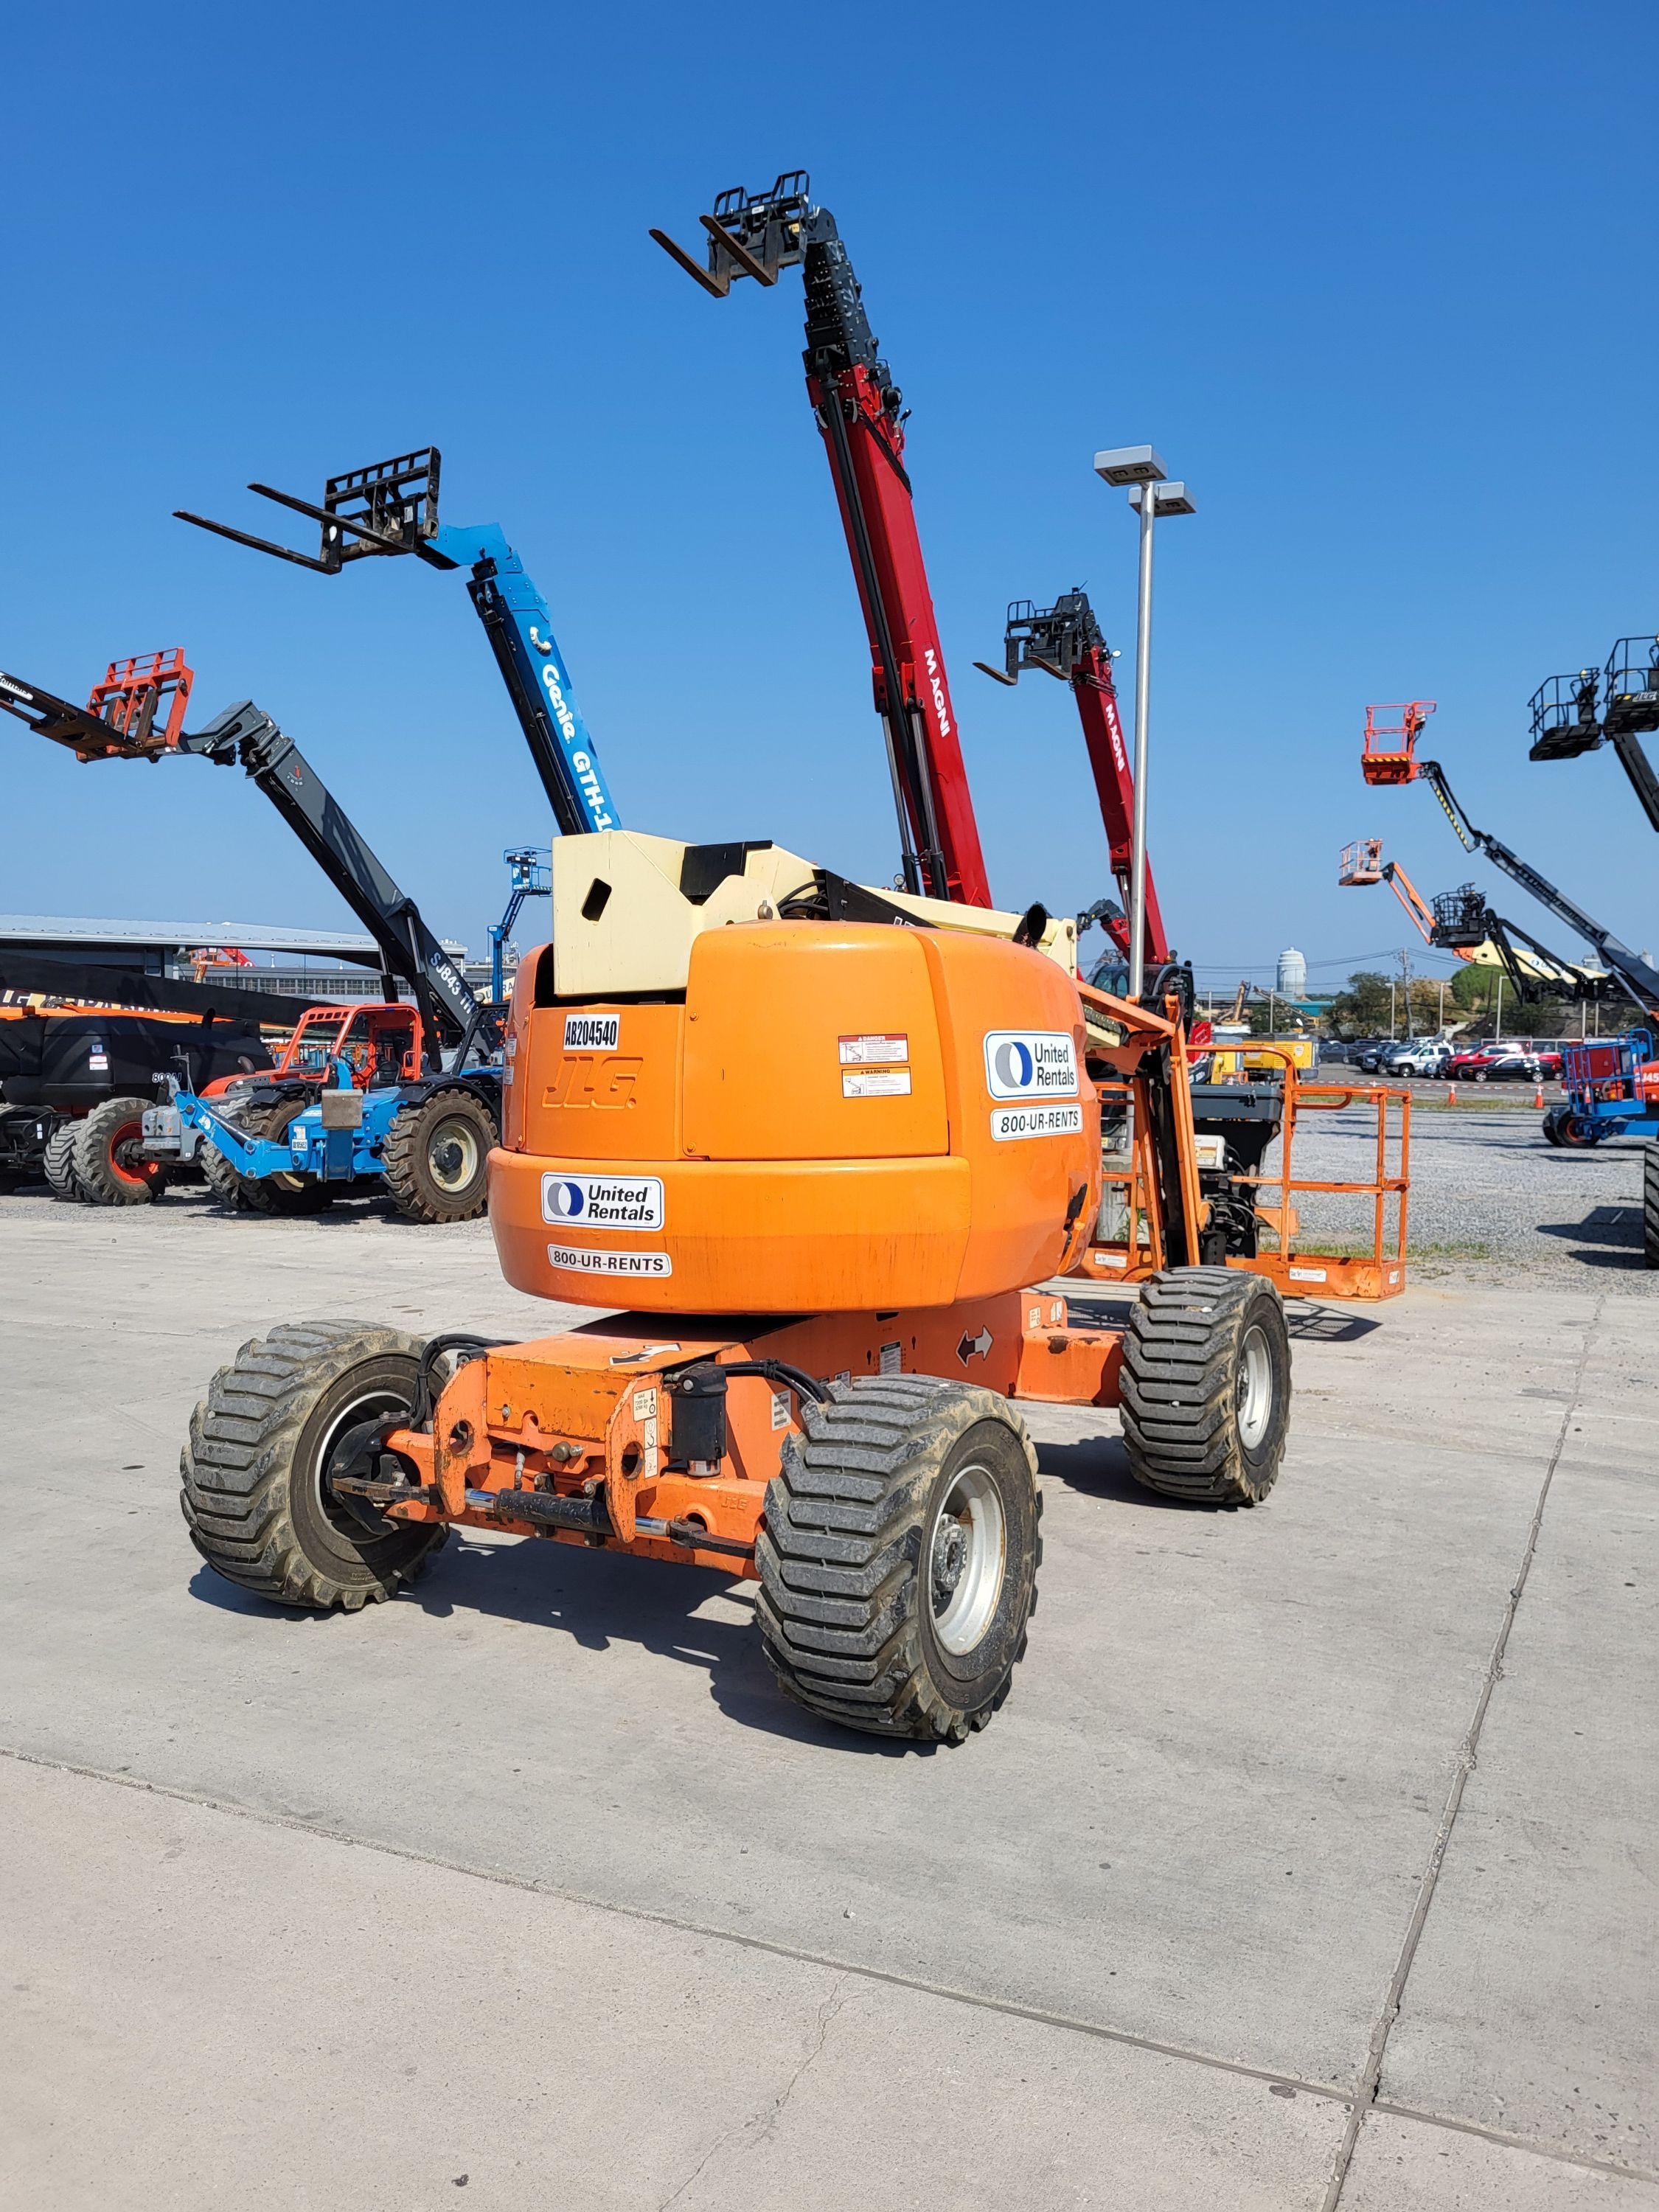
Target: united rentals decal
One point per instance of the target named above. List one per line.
(603, 1201)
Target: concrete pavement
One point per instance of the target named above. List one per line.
(543, 1833)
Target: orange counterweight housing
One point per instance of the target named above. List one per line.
(834, 1117)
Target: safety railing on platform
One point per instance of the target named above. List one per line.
(1128, 1246)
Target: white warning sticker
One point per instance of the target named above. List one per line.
(645, 1404)
(1010, 1122)
(875, 1083)
(1307, 1274)
(578, 1261)
(892, 1357)
(860, 1051)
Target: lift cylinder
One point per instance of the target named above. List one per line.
(834, 1117)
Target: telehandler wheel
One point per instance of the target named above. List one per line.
(256, 1496)
(435, 1156)
(109, 1168)
(1206, 1386)
(228, 1186)
(57, 1162)
(897, 1557)
(1651, 1205)
(274, 1193)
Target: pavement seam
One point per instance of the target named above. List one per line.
(1365, 2098)
(1532, 2144)
(1329, 2092)
(1325, 2092)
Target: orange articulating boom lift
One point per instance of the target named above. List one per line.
(829, 1167)
(1362, 863)
(828, 1149)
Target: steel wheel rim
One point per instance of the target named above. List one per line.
(120, 1161)
(453, 1175)
(371, 1403)
(1254, 1388)
(967, 1557)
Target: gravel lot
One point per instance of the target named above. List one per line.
(1485, 1190)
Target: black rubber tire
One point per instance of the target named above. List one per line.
(252, 1498)
(104, 1171)
(228, 1186)
(413, 1158)
(57, 1164)
(282, 1194)
(1554, 1118)
(1195, 1345)
(850, 1543)
(1651, 1205)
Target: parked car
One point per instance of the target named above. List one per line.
(1549, 1060)
(1506, 1068)
(1423, 1056)
(1462, 1066)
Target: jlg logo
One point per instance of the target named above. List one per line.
(587, 1082)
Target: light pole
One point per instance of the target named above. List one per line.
(1140, 469)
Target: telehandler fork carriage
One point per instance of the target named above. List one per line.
(827, 1150)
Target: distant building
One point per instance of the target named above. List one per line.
(1292, 975)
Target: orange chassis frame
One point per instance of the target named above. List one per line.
(577, 1423)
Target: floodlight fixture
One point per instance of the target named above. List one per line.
(1130, 465)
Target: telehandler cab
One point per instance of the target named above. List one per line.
(826, 1148)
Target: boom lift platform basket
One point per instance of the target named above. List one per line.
(1617, 705)
(1390, 749)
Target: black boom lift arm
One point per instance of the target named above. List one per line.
(246, 737)
(1639, 980)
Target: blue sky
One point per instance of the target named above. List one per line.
(1379, 284)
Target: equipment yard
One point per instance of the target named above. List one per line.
(332, 1899)
(865, 1515)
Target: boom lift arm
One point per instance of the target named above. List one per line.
(529, 876)
(859, 414)
(391, 507)
(1638, 979)
(1466, 925)
(1066, 641)
(245, 736)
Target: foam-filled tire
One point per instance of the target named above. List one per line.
(1206, 1386)
(57, 1164)
(255, 1490)
(109, 1166)
(898, 1555)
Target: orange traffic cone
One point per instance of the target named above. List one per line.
(1538, 1098)
(1451, 1094)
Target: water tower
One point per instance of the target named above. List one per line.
(1292, 975)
